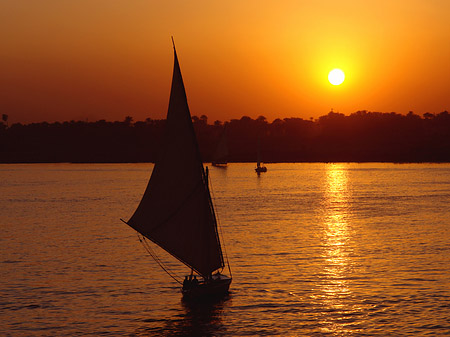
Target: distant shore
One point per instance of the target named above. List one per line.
(360, 137)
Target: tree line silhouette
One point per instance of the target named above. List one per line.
(362, 136)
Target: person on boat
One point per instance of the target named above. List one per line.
(186, 283)
(208, 278)
(195, 281)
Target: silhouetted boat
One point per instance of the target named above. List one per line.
(176, 211)
(220, 156)
(259, 166)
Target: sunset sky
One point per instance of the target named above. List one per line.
(107, 59)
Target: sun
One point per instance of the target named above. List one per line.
(336, 76)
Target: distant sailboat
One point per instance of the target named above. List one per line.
(176, 210)
(259, 166)
(220, 156)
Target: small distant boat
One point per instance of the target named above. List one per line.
(259, 166)
(220, 156)
(176, 211)
(260, 169)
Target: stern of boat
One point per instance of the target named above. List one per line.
(218, 285)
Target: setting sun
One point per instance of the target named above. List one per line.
(336, 76)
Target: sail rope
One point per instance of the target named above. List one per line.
(219, 226)
(155, 257)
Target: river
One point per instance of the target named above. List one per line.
(316, 249)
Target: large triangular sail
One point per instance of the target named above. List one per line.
(176, 211)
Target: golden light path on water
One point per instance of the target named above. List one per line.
(336, 236)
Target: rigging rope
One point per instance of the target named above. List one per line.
(155, 257)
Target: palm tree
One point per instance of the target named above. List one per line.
(5, 119)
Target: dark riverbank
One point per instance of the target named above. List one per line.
(360, 137)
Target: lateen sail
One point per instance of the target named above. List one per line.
(220, 156)
(258, 154)
(176, 210)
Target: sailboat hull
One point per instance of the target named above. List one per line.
(219, 164)
(217, 286)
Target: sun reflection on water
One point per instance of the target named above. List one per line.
(336, 209)
(336, 249)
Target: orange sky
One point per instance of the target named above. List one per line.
(106, 59)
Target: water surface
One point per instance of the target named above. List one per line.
(315, 250)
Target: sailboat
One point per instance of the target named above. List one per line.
(220, 156)
(259, 166)
(176, 211)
